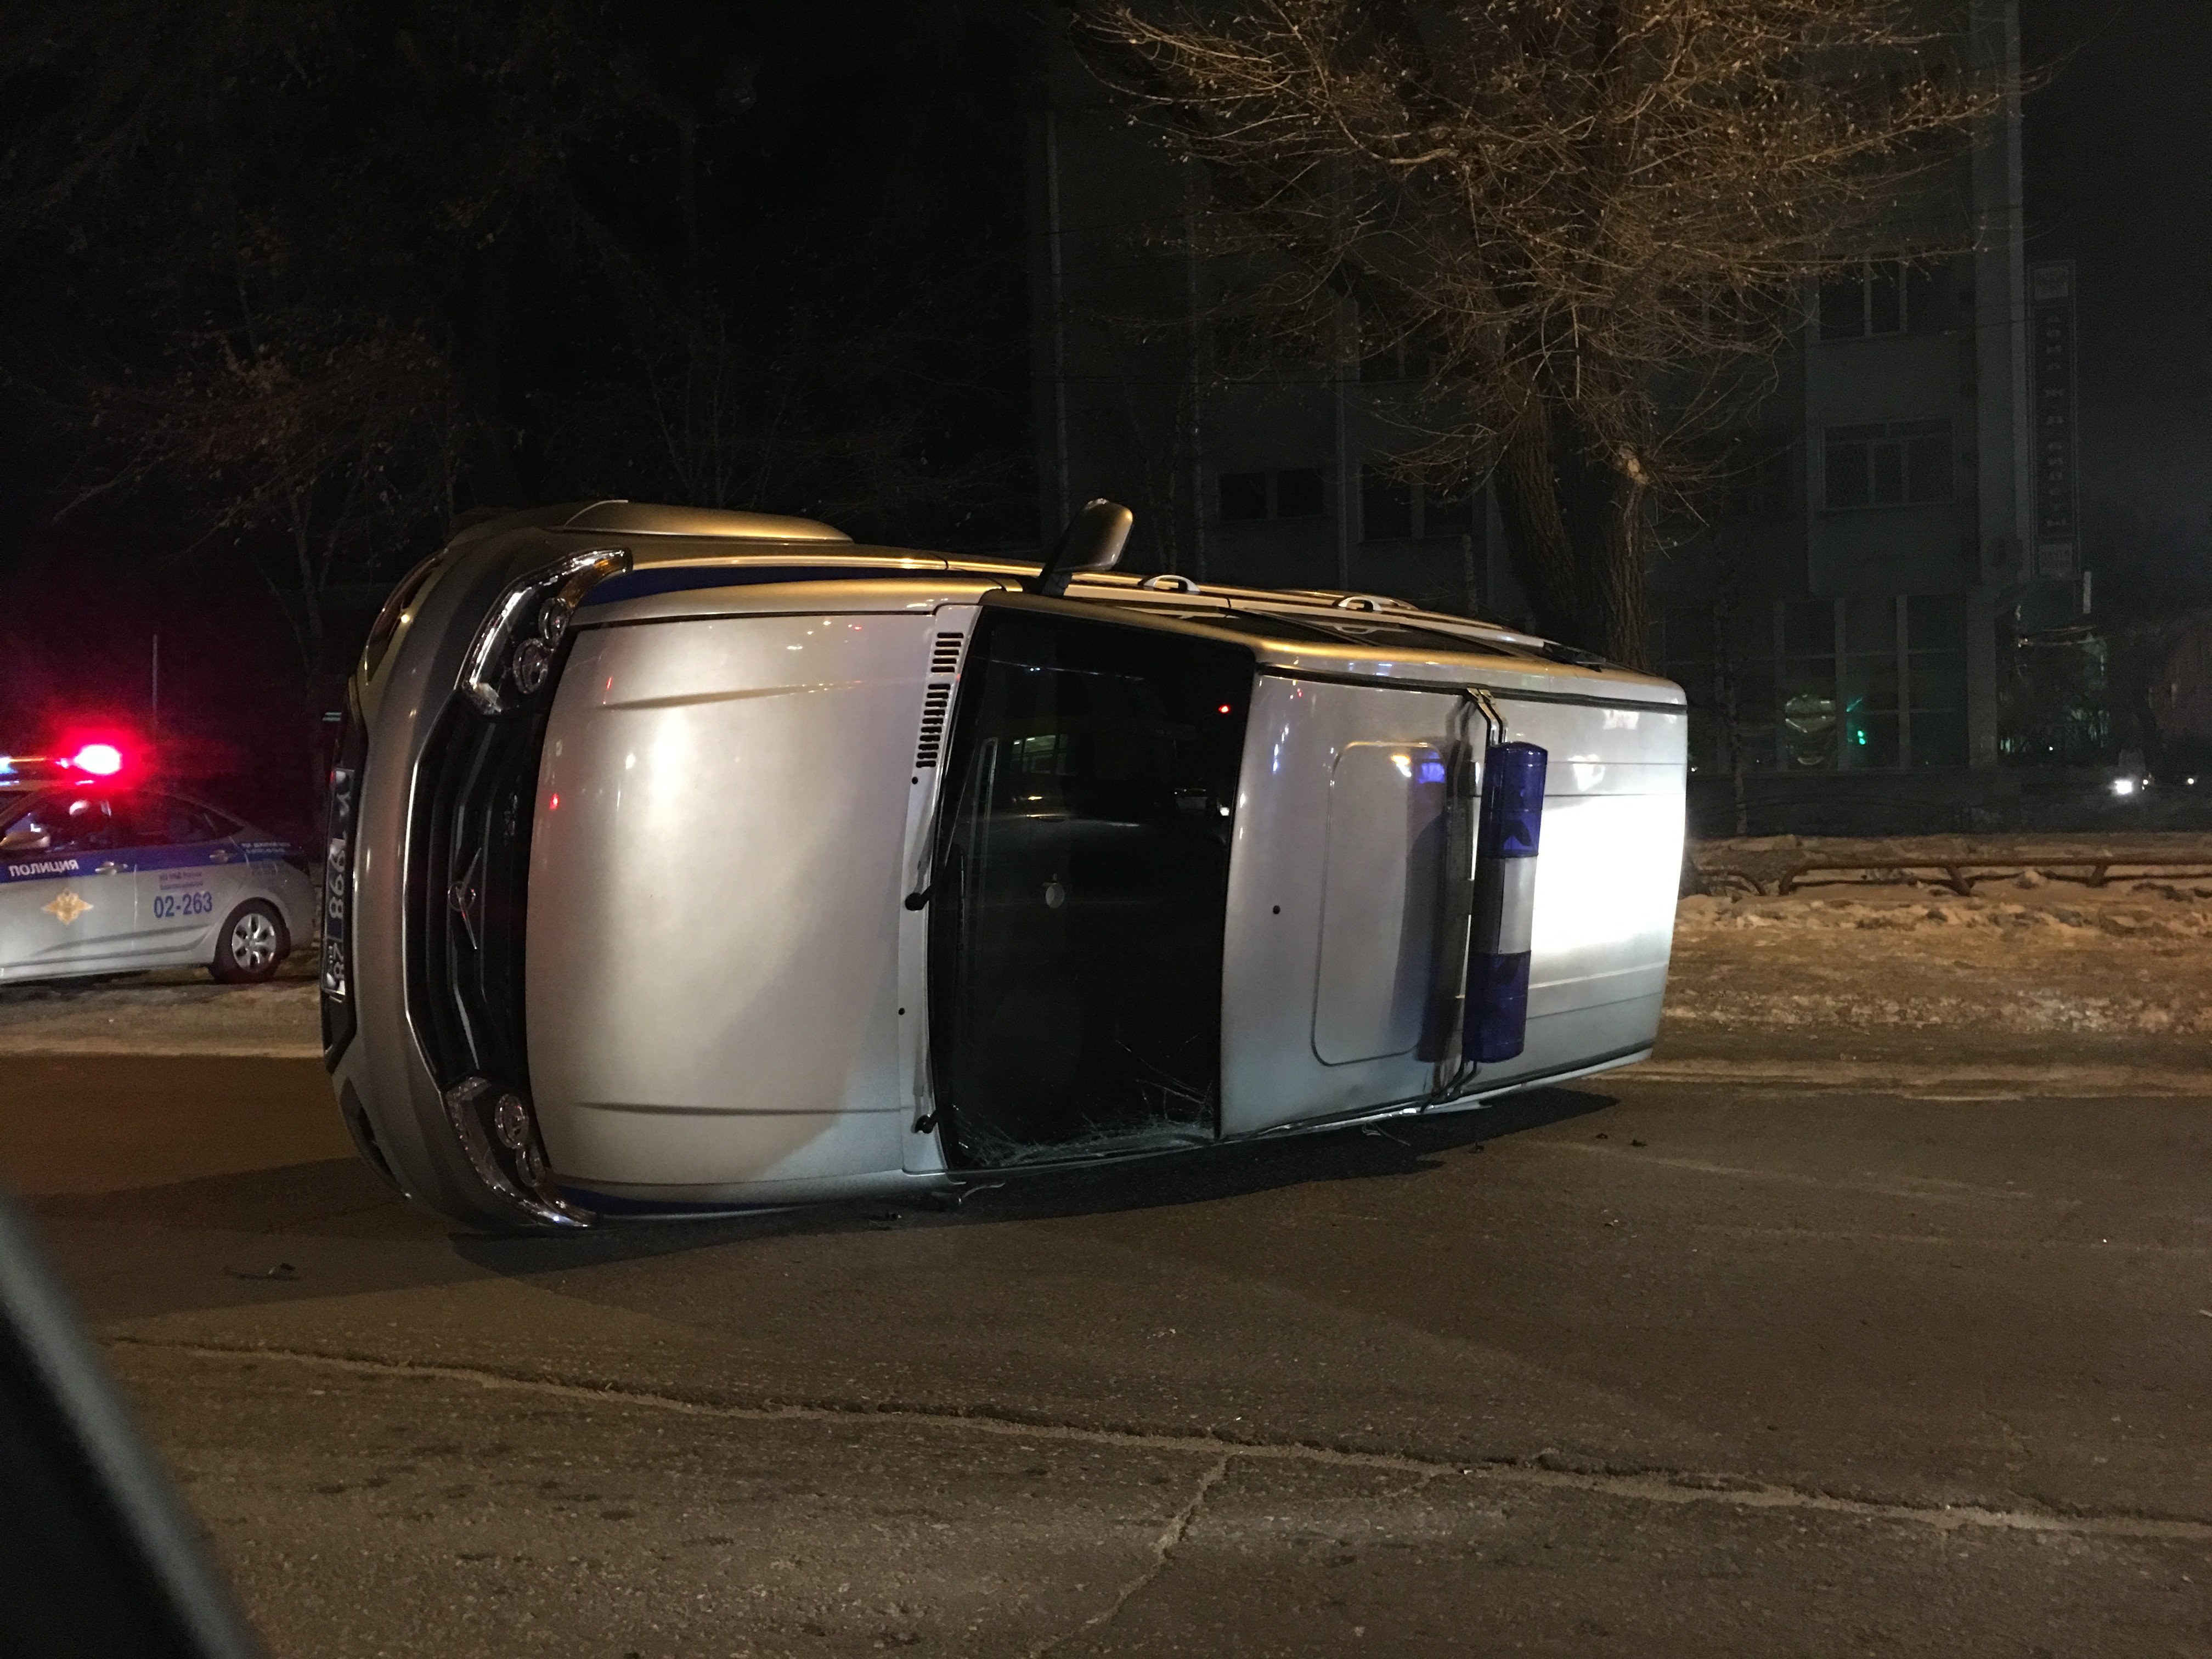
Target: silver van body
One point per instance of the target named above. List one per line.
(685, 861)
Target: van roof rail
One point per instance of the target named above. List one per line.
(627, 518)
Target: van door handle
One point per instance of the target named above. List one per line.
(106, 867)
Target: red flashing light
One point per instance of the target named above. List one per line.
(102, 760)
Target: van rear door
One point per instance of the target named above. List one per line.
(1334, 901)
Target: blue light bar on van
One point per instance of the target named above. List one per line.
(680, 579)
(1508, 831)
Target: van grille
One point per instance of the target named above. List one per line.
(468, 880)
(944, 657)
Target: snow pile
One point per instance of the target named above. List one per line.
(174, 1014)
(2145, 909)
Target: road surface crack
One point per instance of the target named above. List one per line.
(1162, 1546)
(1545, 1469)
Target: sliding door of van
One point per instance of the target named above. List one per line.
(1080, 885)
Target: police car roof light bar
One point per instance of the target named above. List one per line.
(95, 759)
(102, 760)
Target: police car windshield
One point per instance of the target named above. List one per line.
(14, 800)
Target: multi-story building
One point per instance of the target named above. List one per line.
(1839, 620)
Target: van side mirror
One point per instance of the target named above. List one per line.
(26, 838)
(1093, 540)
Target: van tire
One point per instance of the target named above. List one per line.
(251, 946)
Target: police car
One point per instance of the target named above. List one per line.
(684, 861)
(102, 874)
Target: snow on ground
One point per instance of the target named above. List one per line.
(172, 1011)
(2025, 956)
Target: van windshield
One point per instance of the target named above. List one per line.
(1082, 884)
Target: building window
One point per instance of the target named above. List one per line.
(1447, 509)
(1892, 465)
(1724, 658)
(1805, 683)
(1759, 487)
(1387, 357)
(1873, 684)
(1386, 506)
(1882, 297)
(1935, 679)
(1298, 493)
(1397, 361)
(1397, 509)
(1264, 347)
(1868, 711)
(1293, 493)
(1243, 495)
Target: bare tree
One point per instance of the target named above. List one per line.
(1594, 216)
(317, 270)
(826, 412)
(321, 442)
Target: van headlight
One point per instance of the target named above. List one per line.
(532, 667)
(554, 618)
(498, 1133)
(512, 658)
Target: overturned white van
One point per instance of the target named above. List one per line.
(686, 861)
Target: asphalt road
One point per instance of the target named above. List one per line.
(1643, 1369)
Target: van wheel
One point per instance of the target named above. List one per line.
(252, 946)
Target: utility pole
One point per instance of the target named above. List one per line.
(1347, 343)
(1197, 388)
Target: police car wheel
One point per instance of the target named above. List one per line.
(252, 946)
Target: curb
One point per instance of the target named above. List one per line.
(35, 1047)
(1996, 1079)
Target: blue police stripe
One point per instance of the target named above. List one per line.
(678, 578)
(190, 856)
(195, 855)
(42, 868)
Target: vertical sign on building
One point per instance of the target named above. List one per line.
(2057, 492)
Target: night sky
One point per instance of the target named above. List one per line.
(928, 176)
